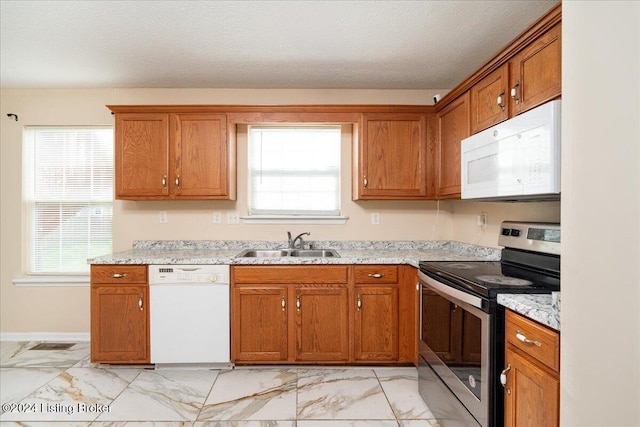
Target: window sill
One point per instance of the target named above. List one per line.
(51, 281)
(287, 219)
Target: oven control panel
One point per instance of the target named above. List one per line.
(532, 236)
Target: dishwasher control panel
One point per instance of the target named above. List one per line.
(185, 274)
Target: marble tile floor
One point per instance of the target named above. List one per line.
(62, 388)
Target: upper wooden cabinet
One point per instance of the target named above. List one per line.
(536, 72)
(454, 126)
(162, 156)
(390, 157)
(490, 100)
(532, 77)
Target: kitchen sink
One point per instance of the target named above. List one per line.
(277, 253)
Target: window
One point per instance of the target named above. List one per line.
(294, 170)
(68, 193)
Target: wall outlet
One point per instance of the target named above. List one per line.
(233, 218)
(482, 220)
(217, 218)
(163, 217)
(375, 218)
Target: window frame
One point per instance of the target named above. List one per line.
(31, 276)
(310, 217)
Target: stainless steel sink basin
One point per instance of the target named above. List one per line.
(314, 253)
(278, 253)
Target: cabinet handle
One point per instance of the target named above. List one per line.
(140, 302)
(298, 303)
(365, 182)
(514, 93)
(359, 305)
(503, 378)
(164, 181)
(521, 337)
(178, 182)
(500, 101)
(376, 275)
(119, 275)
(284, 303)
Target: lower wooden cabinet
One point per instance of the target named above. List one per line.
(532, 388)
(119, 314)
(323, 314)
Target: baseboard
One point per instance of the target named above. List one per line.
(45, 336)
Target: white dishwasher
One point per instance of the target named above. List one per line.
(189, 314)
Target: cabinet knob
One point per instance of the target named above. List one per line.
(359, 305)
(140, 305)
(514, 92)
(178, 181)
(376, 275)
(119, 275)
(298, 303)
(284, 303)
(503, 378)
(500, 101)
(164, 181)
(365, 182)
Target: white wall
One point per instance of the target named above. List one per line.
(600, 338)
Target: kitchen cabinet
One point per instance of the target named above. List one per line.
(390, 157)
(536, 72)
(260, 323)
(376, 313)
(530, 78)
(454, 125)
(531, 375)
(164, 156)
(119, 314)
(290, 314)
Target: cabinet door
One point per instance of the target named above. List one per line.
(532, 395)
(142, 156)
(490, 100)
(322, 325)
(200, 156)
(454, 127)
(536, 72)
(119, 324)
(392, 157)
(376, 323)
(259, 323)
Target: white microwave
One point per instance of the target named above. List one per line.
(518, 159)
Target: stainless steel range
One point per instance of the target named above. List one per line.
(461, 349)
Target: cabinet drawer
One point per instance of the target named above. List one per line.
(290, 274)
(535, 340)
(376, 274)
(118, 274)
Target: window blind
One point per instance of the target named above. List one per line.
(294, 170)
(68, 193)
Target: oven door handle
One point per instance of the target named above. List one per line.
(449, 291)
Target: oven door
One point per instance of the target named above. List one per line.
(455, 344)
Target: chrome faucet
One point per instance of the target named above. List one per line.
(292, 242)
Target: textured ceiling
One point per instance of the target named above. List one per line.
(254, 44)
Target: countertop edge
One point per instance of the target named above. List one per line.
(537, 307)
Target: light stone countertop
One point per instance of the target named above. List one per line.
(538, 307)
(351, 252)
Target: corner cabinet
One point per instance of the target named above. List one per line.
(390, 157)
(119, 314)
(453, 125)
(531, 375)
(164, 156)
